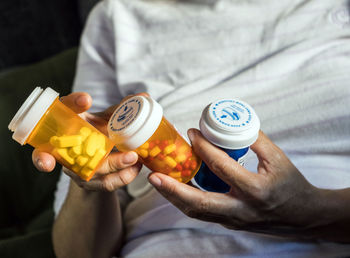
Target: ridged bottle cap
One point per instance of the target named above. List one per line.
(230, 124)
(134, 122)
(30, 113)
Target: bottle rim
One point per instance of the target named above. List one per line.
(30, 113)
(24, 108)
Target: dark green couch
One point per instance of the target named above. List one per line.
(26, 195)
(38, 43)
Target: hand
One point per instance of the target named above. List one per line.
(276, 200)
(117, 170)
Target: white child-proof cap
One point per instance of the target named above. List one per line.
(134, 121)
(230, 124)
(30, 113)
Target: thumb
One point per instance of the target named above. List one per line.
(264, 147)
(268, 153)
(79, 102)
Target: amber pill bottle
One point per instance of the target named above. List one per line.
(45, 123)
(138, 124)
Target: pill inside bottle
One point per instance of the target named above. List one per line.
(138, 124)
(45, 123)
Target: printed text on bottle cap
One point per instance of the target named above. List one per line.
(231, 114)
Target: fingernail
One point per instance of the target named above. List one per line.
(129, 157)
(40, 164)
(191, 134)
(81, 101)
(155, 181)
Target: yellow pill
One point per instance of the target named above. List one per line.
(76, 168)
(96, 159)
(145, 145)
(53, 140)
(86, 172)
(175, 174)
(170, 161)
(68, 141)
(101, 141)
(143, 153)
(169, 149)
(81, 160)
(75, 151)
(85, 132)
(179, 179)
(183, 149)
(155, 151)
(92, 143)
(180, 158)
(64, 155)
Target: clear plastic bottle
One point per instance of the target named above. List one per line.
(47, 124)
(233, 126)
(138, 124)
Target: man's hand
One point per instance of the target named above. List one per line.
(276, 200)
(117, 170)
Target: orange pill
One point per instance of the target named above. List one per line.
(163, 144)
(178, 167)
(151, 145)
(161, 156)
(186, 173)
(189, 154)
(187, 164)
(193, 164)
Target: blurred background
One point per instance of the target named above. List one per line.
(38, 47)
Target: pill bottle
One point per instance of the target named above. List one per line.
(231, 125)
(48, 125)
(138, 124)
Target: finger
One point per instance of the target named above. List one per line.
(220, 163)
(113, 181)
(193, 202)
(77, 101)
(145, 94)
(267, 151)
(117, 161)
(73, 176)
(108, 182)
(97, 121)
(43, 161)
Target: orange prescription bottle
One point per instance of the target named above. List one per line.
(47, 124)
(138, 124)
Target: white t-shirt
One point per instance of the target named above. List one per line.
(290, 60)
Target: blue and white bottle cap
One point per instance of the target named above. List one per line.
(230, 124)
(134, 122)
